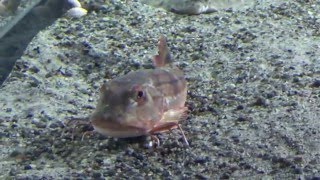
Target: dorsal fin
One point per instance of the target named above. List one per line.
(163, 58)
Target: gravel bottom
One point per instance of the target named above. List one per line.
(254, 94)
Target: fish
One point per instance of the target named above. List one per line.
(9, 6)
(143, 102)
(196, 7)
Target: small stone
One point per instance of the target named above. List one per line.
(27, 167)
(96, 175)
(40, 124)
(13, 171)
(243, 119)
(74, 3)
(260, 101)
(271, 94)
(201, 176)
(315, 178)
(15, 153)
(56, 125)
(201, 160)
(298, 170)
(296, 80)
(109, 173)
(14, 125)
(240, 107)
(34, 69)
(316, 83)
(76, 12)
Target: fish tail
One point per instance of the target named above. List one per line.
(163, 58)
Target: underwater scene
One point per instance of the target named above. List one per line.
(159, 89)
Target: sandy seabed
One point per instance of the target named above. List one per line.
(254, 94)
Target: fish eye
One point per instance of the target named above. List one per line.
(140, 94)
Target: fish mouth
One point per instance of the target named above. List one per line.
(109, 127)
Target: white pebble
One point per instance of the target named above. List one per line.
(74, 3)
(76, 12)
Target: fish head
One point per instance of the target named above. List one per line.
(127, 108)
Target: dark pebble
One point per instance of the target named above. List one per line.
(314, 178)
(240, 107)
(201, 160)
(201, 176)
(316, 83)
(235, 138)
(271, 94)
(217, 143)
(13, 172)
(96, 175)
(298, 159)
(109, 173)
(34, 69)
(34, 82)
(296, 80)
(282, 161)
(189, 29)
(99, 160)
(245, 165)
(260, 101)
(298, 170)
(37, 132)
(30, 115)
(225, 176)
(15, 153)
(56, 125)
(27, 167)
(243, 119)
(40, 124)
(66, 72)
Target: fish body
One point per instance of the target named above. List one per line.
(143, 102)
(195, 7)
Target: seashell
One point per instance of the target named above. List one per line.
(76, 12)
(74, 3)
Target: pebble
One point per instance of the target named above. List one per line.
(74, 3)
(316, 83)
(76, 12)
(27, 167)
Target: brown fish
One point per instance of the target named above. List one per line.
(143, 102)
